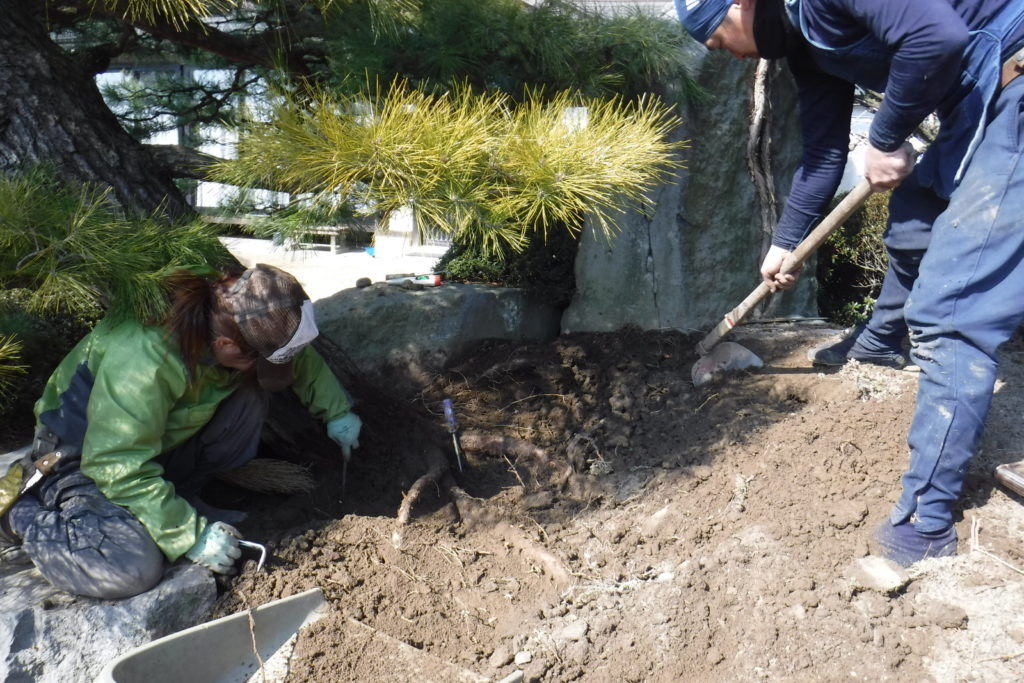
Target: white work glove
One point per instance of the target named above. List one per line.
(345, 432)
(771, 266)
(217, 548)
(886, 170)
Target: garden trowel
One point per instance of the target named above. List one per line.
(717, 356)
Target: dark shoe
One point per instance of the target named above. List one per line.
(11, 550)
(905, 545)
(845, 350)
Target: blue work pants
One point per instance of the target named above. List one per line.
(967, 300)
(912, 212)
(86, 545)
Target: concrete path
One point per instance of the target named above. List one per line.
(323, 273)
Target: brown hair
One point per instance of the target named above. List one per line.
(198, 313)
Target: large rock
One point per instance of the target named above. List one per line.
(695, 255)
(48, 636)
(386, 328)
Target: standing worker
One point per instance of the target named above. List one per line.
(956, 233)
(143, 415)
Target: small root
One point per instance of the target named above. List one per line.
(464, 503)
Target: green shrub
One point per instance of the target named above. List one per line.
(852, 264)
(544, 267)
(76, 251)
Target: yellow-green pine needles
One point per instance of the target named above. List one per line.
(479, 167)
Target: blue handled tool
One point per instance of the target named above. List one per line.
(453, 427)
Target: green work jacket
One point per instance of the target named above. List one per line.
(138, 403)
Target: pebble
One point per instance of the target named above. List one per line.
(948, 616)
(1017, 633)
(805, 598)
(849, 513)
(536, 669)
(523, 657)
(877, 574)
(576, 630)
(501, 656)
(873, 605)
(556, 611)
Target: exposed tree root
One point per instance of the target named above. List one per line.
(497, 445)
(433, 476)
(470, 509)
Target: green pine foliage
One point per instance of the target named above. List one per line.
(481, 168)
(76, 252)
(179, 12)
(11, 369)
(34, 343)
(512, 47)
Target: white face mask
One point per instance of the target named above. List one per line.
(304, 334)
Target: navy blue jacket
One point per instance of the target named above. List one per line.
(913, 51)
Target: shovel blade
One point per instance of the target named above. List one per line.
(725, 356)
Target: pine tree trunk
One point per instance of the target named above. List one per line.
(51, 111)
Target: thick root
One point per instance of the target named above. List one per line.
(433, 476)
(497, 446)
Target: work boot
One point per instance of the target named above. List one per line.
(846, 349)
(905, 545)
(11, 550)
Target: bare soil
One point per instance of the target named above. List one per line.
(659, 532)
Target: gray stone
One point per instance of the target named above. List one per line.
(693, 256)
(877, 574)
(576, 630)
(523, 657)
(47, 635)
(501, 656)
(947, 616)
(385, 328)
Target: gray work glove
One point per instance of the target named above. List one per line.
(217, 548)
(345, 432)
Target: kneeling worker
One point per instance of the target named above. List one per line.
(143, 415)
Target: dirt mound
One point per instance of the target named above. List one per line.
(631, 527)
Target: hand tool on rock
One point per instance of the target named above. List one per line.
(717, 357)
(453, 427)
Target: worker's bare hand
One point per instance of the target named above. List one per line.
(886, 170)
(771, 267)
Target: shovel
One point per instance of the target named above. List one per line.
(717, 357)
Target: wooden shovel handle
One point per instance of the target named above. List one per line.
(808, 246)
